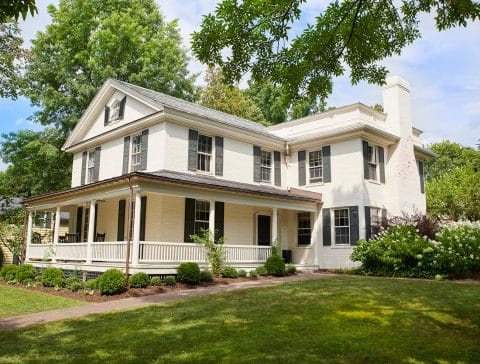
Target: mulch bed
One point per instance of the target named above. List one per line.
(132, 292)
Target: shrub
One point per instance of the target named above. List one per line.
(91, 284)
(214, 250)
(29, 282)
(229, 272)
(8, 272)
(73, 284)
(291, 269)
(2, 257)
(139, 280)
(262, 271)
(242, 273)
(52, 277)
(155, 281)
(25, 271)
(188, 273)
(170, 281)
(111, 282)
(206, 276)
(253, 274)
(275, 266)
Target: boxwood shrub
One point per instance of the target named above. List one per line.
(262, 271)
(170, 281)
(111, 282)
(229, 272)
(52, 277)
(25, 271)
(188, 273)
(8, 272)
(206, 276)
(139, 280)
(275, 266)
(155, 281)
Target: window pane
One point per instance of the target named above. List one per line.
(204, 144)
(266, 164)
(304, 231)
(342, 226)
(202, 215)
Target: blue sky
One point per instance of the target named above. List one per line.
(442, 68)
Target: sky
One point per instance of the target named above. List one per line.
(441, 67)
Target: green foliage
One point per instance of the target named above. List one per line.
(275, 265)
(52, 277)
(170, 281)
(229, 272)
(291, 269)
(2, 258)
(74, 284)
(242, 273)
(155, 281)
(139, 280)
(8, 272)
(91, 284)
(230, 99)
(11, 235)
(347, 35)
(25, 271)
(253, 274)
(111, 282)
(215, 251)
(261, 270)
(11, 57)
(206, 276)
(188, 273)
(16, 8)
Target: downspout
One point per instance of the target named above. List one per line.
(129, 230)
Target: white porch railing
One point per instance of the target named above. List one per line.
(150, 252)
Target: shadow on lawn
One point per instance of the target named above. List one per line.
(342, 319)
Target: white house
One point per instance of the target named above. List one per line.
(169, 167)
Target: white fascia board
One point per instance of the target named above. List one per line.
(424, 153)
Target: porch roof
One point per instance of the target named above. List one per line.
(183, 179)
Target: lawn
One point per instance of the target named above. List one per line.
(334, 320)
(16, 301)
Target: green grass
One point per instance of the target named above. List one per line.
(333, 320)
(16, 301)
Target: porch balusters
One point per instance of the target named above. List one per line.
(136, 229)
(91, 230)
(56, 232)
(29, 235)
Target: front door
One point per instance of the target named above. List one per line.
(263, 230)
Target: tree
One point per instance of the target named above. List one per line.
(14, 8)
(230, 99)
(450, 156)
(89, 41)
(254, 35)
(37, 163)
(11, 55)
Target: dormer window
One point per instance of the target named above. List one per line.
(115, 111)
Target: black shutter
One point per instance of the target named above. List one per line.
(302, 170)
(277, 168)
(354, 228)
(327, 227)
(189, 227)
(422, 177)
(192, 149)
(121, 110)
(96, 171)
(95, 223)
(79, 222)
(368, 223)
(144, 149)
(143, 217)
(126, 154)
(107, 115)
(218, 156)
(257, 161)
(84, 168)
(384, 216)
(365, 159)
(121, 221)
(219, 220)
(327, 169)
(381, 160)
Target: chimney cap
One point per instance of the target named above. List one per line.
(396, 81)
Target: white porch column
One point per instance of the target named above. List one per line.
(29, 235)
(211, 219)
(136, 229)
(56, 232)
(315, 237)
(275, 226)
(91, 230)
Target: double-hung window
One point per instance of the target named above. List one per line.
(202, 216)
(341, 226)
(315, 166)
(304, 231)
(136, 153)
(375, 220)
(91, 166)
(372, 162)
(266, 166)
(204, 153)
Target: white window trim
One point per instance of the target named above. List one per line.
(201, 221)
(212, 155)
(309, 183)
(262, 181)
(130, 154)
(311, 231)
(332, 216)
(263, 213)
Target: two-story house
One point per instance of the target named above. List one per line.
(150, 170)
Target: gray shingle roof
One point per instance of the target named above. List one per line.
(159, 99)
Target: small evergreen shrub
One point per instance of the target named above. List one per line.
(52, 277)
(25, 271)
(111, 282)
(229, 272)
(8, 272)
(206, 276)
(155, 281)
(253, 274)
(275, 266)
(262, 271)
(291, 269)
(73, 284)
(170, 281)
(242, 273)
(188, 273)
(139, 280)
(91, 284)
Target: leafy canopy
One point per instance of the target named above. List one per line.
(14, 8)
(11, 55)
(354, 35)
